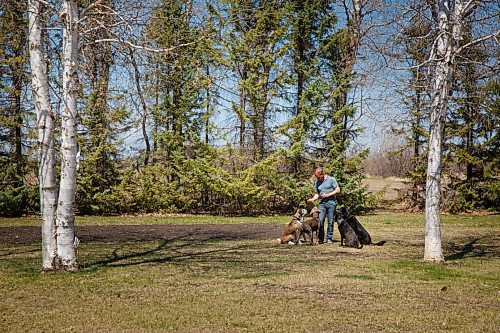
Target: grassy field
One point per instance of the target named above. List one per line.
(391, 186)
(260, 286)
(148, 220)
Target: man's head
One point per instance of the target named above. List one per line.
(320, 174)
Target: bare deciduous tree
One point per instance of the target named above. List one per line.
(57, 211)
(65, 219)
(45, 124)
(450, 16)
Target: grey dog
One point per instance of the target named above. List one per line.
(347, 235)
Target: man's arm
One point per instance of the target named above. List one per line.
(315, 196)
(327, 195)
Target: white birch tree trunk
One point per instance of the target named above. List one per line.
(450, 15)
(58, 235)
(65, 220)
(45, 123)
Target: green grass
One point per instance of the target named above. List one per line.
(418, 219)
(425, 272)
(399, 219)
(260, 286)
(148, 220)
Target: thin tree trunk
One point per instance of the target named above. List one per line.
(469, 141)
(470, 166)
(144, 107)
(242, 113)
(300, 56)
(260, 105)
(258, 132)
(17, 83)
(207, 120)
(45, 125)
(299, 67)
(65, 221)
(258, 124)
(155, 112)
(354, 20)
(416, 135)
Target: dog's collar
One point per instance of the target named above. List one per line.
(299, 219)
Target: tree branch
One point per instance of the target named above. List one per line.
(140, 47)
(477, 41)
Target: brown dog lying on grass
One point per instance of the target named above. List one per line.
(293, 230)
(347, 235)
(310, 226)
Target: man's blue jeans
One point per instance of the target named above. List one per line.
(326, 210)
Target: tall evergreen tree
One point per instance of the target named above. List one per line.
(415, 94)
(99, 119)
(14, 196)
(311, 22)
(255, 44)
(179, 74)
(472, 158)
(334, 130)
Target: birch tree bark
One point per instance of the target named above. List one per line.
(65, 220)
(450, 15)
(45, 124)
(58, 252)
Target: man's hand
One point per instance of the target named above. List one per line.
(315, 196)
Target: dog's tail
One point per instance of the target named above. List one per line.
(379, 243)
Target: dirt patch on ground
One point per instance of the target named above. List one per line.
(125, 233)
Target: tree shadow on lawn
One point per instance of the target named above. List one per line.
(453, 250)
(17, 253)
(473, 248)
(171, 251)
(168, 251)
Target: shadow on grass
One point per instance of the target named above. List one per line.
(167, 251)
(471, 249)
(11, 253)
(210, 251)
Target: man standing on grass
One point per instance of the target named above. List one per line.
(326, 188)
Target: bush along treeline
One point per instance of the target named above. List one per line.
(209, 180)
(227, 107)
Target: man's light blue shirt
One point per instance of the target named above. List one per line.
(326, 186)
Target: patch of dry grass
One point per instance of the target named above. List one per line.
(260, 286)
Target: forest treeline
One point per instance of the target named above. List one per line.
(227, 106)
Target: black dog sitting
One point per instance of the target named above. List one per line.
(363, 235)
(347, 235)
